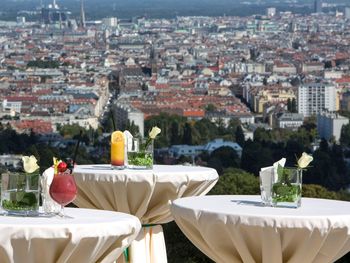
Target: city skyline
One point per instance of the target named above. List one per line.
(165, 9)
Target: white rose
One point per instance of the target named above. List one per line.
(30, 164)
(304, 160)
(154, 132)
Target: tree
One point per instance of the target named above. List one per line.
(179, 247)
(174, 133)
(324, 145)
(210, 108)
(310, 123)
(289, 105)
(261, 135)
(163, 121)
(265, 81)
(293, 150)
(322, 171)
(233, 124)
(345, 135)
(69, 131)
(46, 155)
(240, 136)
(294, 106)
(227, 156)
(187, 138)
(43, 64)
(317, 191)
(216, 163)
(255, 156)
(208, 130)
(235, 182)
(221, 126)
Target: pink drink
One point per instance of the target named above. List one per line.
(63, 188)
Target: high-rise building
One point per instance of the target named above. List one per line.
(126, 114)
(110, 21)
(21, 20)
(54, 5)
(53, 14)
(347, 12)
(318, 6)
(271, 12)
(314, 98)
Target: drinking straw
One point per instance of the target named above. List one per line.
(112, 116)
(77, 147)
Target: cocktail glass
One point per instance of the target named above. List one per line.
(63, 190)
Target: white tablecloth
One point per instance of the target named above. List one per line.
(239, 229)
(146, 194)
(89, 236)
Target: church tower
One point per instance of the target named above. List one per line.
(82, 14)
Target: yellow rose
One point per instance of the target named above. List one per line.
(304, 160)
(154, 132)
(30, 164)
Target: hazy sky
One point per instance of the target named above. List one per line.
(97, 9)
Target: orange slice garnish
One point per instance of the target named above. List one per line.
(117, 136)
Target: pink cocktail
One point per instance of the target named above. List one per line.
(63, 189)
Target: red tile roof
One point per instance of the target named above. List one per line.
(37, 126)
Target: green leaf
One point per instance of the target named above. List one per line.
(19, 196)
(279, 171)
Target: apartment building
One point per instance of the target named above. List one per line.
(314, 97)
(329, 125)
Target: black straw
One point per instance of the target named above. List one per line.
(77, 147)
(112, 116)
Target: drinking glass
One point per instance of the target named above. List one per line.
(265, 178)
(286, 189)
(140, 154)
(20, 193)
(63, 190)
(117, 150)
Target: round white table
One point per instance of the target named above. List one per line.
(146, 194)
(240, 229)
(88, 236)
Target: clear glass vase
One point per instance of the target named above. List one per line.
(20, 193)
(140, 154)
(287, 186)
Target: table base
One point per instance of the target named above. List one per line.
(148, 247)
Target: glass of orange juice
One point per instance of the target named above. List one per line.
(117, 150)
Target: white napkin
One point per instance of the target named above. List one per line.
(267, 178)
(127, 145)
(49, 205)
